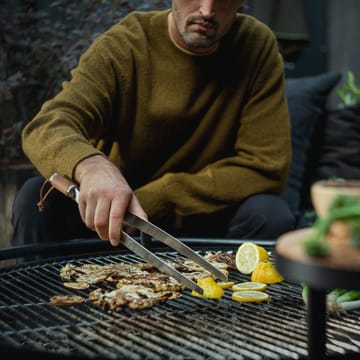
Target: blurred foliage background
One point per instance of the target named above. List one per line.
(40, 42)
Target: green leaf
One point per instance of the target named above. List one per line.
(304, 292)
(349, 93)
(350, 295)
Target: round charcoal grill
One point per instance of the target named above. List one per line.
(185, 328)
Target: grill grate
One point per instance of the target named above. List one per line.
(186, 328)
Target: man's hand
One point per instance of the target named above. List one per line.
(105, 197)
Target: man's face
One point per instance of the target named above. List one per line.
(199, 24)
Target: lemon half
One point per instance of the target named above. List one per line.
(248, 256)
(250, 296)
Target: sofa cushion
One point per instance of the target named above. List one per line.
(307, 97)
(335, 151)
(338, 146)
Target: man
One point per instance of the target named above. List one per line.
(178, 116)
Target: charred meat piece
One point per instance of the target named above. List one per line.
(94, 274)
(133, 296)
(156, 281)
(66, 300)
(76, 285)
(221, 258)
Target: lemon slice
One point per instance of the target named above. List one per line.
(250, 296)
(226, 284)
(249, 285)
(248, 256)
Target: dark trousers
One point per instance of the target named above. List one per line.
(261, 216)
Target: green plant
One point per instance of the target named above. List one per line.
(349, 93)
(41, 42)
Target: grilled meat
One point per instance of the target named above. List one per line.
(219, 258)
(94, 274)
(66, 300)
(155, 281)
(77, 285)
(138, 286)
(136, 297)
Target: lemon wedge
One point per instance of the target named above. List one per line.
(248, 256)
(211, 288)
(249, 285)
(250, 296)
(266, 273)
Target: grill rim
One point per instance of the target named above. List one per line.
(95, 245)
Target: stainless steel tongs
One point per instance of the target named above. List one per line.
(72, 190)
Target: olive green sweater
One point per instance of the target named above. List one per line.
(192, 134)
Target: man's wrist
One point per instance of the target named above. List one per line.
(84, 165)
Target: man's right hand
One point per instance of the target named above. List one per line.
(105, 197)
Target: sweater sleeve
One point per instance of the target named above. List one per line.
(67, 127)
(261, 158)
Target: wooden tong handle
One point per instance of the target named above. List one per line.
(62, 184)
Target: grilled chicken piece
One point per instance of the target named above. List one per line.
(94, 274)
(221, 258)
(134, 296)
(155, 281)
(66, 300)
(76, 285)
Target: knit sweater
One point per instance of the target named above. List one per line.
(191, 134)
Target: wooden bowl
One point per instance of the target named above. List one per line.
(325, 191)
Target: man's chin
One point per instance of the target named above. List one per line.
(199, 41)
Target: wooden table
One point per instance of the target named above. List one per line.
(338, 270)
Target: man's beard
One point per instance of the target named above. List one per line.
(194, 40)
(199, 39)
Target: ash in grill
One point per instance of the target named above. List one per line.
(183, 328)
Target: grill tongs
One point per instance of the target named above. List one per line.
(72, 190)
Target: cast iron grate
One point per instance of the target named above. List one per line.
(186, 328)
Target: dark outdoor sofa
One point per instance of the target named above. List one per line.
(325, 140)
